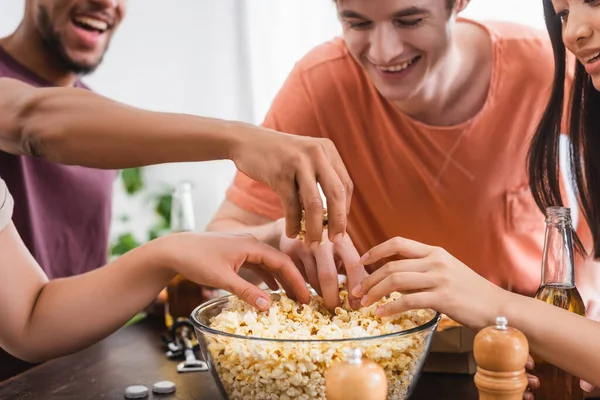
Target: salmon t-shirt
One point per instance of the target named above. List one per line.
(464, 187)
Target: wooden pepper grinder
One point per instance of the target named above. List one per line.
(356, 379)
(501, 354)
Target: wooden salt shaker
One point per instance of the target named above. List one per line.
(501, 354)
(356, 379)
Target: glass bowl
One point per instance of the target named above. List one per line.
(246, 367)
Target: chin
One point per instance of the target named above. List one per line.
(395, 95)
(596, 82)
(84, 64)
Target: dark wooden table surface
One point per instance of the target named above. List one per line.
(135, 355)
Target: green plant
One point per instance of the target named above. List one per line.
(133, 183)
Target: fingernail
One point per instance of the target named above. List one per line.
(586, 386)
(363, 301)
(364, 258)
(379, 312)
(356, 292)
(529, 365)
(533, 382)
(314, 246)
(261, 302)
(338, 238)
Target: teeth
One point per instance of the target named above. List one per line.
(398, 67)
(593, 57)
(92, 23)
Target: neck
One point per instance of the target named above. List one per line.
(458, 89)
(27, 47)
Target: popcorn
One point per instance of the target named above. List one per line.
(266, 369)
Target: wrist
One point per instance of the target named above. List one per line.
(160, 258)
(271, 233)
(236, 137)
(509, 306)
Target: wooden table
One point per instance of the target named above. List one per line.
(135, 355)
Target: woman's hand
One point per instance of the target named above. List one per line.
(429, 277)
(215, 259)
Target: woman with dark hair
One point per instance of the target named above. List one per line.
(432, 278)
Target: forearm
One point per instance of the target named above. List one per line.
(269, 233)
(72, 313)
(75, 126)
(562, 338)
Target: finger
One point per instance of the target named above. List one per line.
(393, 267)
(266, 277)
(328, 277)
(413, 282)
(246, 291)
(530, 363)
(299, 265)
(279, 265)
(288, 291)
(313, 205)
(310, 266)
(532, 381)
(528, 396)
(407, 302)
(292, 209)
(340, 169)
(396, 247)
(354, 270)
(335, 193)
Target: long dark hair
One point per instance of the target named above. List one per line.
(584, 130)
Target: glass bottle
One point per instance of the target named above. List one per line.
(558, 288)
(182, 295)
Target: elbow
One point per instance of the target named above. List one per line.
(35, 126)
(20, 349)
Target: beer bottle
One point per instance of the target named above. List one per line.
(182, 295)
(558, 288)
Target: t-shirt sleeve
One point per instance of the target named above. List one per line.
(6, 205)
(292, 111)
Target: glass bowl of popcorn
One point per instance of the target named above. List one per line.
(284, 353)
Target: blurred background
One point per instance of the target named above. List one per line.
(216, 58)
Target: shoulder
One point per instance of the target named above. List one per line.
(333, 51)
(527, 41)
(523, 55)
(329, 72)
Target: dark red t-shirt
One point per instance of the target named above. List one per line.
(62, 212)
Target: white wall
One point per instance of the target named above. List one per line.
(218, 58)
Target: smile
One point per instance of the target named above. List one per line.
(91, 24)
(398, 67)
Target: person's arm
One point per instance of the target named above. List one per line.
(42, 319)
(562, 338)
(250, 206)
(76, 126)
(432, 278)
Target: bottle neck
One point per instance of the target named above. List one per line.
(557, 264)
(182, 210)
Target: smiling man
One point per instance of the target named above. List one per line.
(62, 212)
(432, 114)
